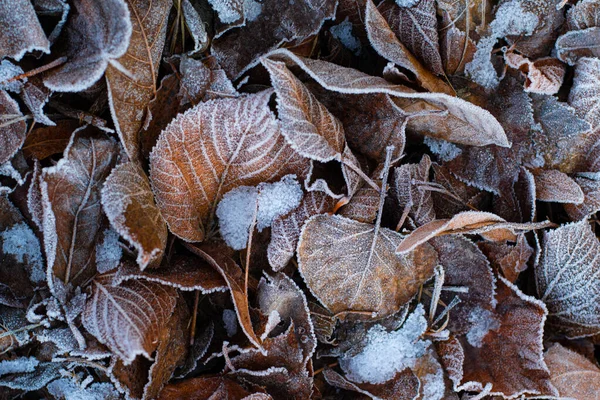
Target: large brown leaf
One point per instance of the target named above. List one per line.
(572, 374)
(129, 97)
(72, 213)
(21, 30)
(567, 279)
(130, 317)
(351, 266)
(129, 205)
(13, 127)
(211, 149)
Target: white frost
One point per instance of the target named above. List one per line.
(20, 241)
(18, 365)
(483, 322)
(276, 199)
(228, 10)
(67, 389)
(108, 252)
(445, 150)
(407, 3)
(7, 71)
(387, 353)
(343, 33)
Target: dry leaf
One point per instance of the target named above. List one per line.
(205, 388)
(410, 194)
(43, 142)
(129, 205)
(572, 374)
(590, 186)
(584, 14)
(13, 127)
(553, 185)
(21, 30)
(351, 266)
(575, 45)
(511, 260)
(363, 205)
(404, 386)
(567, 281)
(456, 50)
(586, 89)
(544, 76)
(206, 152)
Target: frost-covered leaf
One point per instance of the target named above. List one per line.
(409, 194)
(543, 76)
(285, 230)
(416, 27)
(35, 96)
(129, 205)
(584, 14)
(21, 30)
(129, 97)
(567, 280)
(203, 80)
(573, 375)
(554, 186)
(351, 266)
(585, 93)
(72, 213)
(130, 317)
(590, 185)
(13, 127)
(511, 260)
(36, 379)
(206, 152)
(195, 27)
(96, 34)
(363, 205)
(68, 389)
(456, 50)
(574, 45)
(45, 141)
(205, 387)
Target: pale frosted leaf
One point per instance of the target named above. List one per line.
(229, 11)
(21, 30)
(351, 266)
(34, 380)
(385, 42)
(128, 318)
(208, 151)
(585, 14)
(567, 279)
(543, 76)
(72, 213)
(285, 230)
(409, 193)
(129, 205)
(96, 33)
(585, 93)
(195, 27)
(573, 375)
(485, 128)
(129, 98)
(9, 70)
(591, 202)
(13, 127)
(108, 251)
(574, 45)
(403, 386)
(68, 389)
(417, 29)
(203, 80)
(554, 186)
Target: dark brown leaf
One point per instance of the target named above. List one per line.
(43, 142)
(555, 186)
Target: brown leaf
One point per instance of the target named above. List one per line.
(208, 151)
(584, 14)
(285, 230)
(72, 213)
(22, 32)
(590, 186)
(404, 386)
(572, 374)
(567, 279)
(417, 29)
(363, 205)
(130, 317)
(13, 127)
(129, 205)
(35, 96)
(203, 80)
(486, 360)
(586, 89)
(511, 260)
(385, 42)
(408, 193)
(456, 49)
(351, 266)
(97, 33)
(544, 75)
(43, 142)
(574, 45)
(205, 387)
(554, 186)
(129, 97)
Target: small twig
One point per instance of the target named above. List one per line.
(194, 317)
(28, 74)
(437, 290)
(360, 173)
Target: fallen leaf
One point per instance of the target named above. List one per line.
(544, 75)
(584, 14)
(574, 45)
(456, 50)
(404, 386)
(585, 90)
(43, 142)
(410, 195)
(590, 186)
(22, 32)
(511, 260)
(573, 375)
(363, 205)
(13, 127)
(554, 186)
(205, 388)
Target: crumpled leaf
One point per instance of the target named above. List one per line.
(129, 98)
(363, 205)
(72, 213)
(203, 80)
(130, 317)
(572, 374)
(586, 90)
(408, 194)
(351, 266)
(574, 45)
(96, 34)
(21, 30)
(543, 76)
(567, 281)
(555, 186)
(206, 152)
(129, 205)
(13, 128)
(511, 260)
(35, 96)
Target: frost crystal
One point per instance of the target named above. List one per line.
(7, 71)
(252, 9)
(230, 322)
(20, 241)
(228, 10)
(18, 366)
(343, 33)
(67, 389)
(276, 199)
(434, 386)
(445, 151)
(108, 252)
(407, 3)
(483, 322)
(387, 353)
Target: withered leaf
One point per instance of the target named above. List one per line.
(574, 45)
(573, 375)
(363, 205)
(206, 152)
(203, 80)
(351, 266)
(205, 388)
(21, 30)
(404, 386)
(35, 96)
(584, 14)
(590, 186)
(285, 230)
(13, 127)
(72, 213)
(97, 33)
(129, 205)
(553, 185)
(456, 50)
(130, 317)
(129, 97)
(511, 260)
(43, 142)
(543, 76)
(567, 279)
(586, 90)
(408, 193)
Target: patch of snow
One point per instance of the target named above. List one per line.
(108, 252)
(387, 353)
(276, 199)
(483, 322)
(18, 365)
(407, 3)
(20, 241)
(230, 322)
(445, 150)
(343, 33)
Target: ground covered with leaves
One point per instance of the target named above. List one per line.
(307, 199)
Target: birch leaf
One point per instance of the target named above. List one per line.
(13, 128)
(129, 205)
(129, 98)
(585, 93)
(572, 374)
(208, 151)
(128, 318)
(567, 279)
(351, 266)
(555, 186)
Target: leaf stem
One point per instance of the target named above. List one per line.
(360, 173)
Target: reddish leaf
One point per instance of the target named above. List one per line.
(43, 142)
(544, 76)
(572, 374)
(553, 185)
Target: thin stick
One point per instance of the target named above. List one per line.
(360, 173)
(194, 317)
(28, 74)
